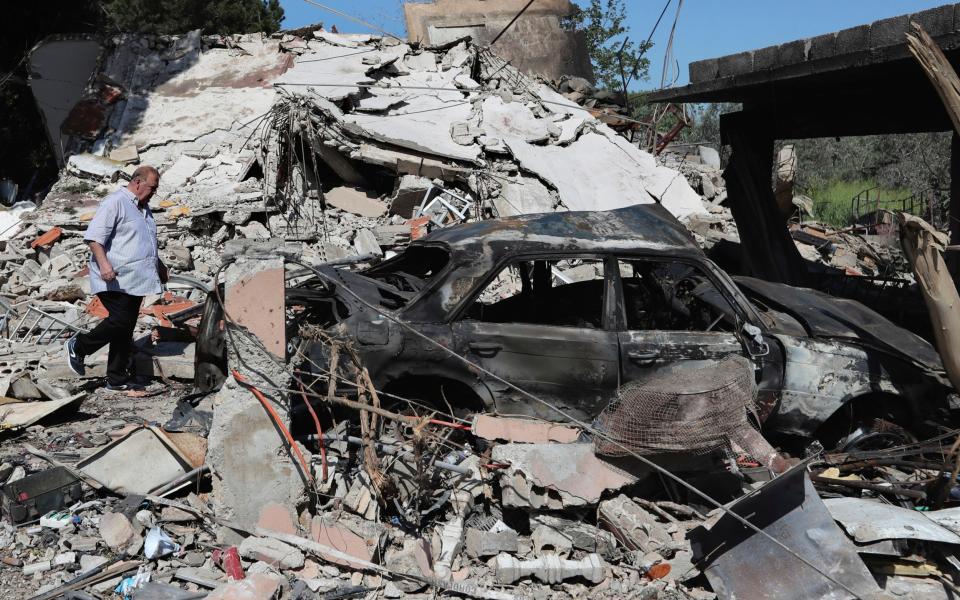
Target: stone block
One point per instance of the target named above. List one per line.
(355, 201)
(365, 242)
(259, 586)
(409, 195)
(276, 517)
(340, 538)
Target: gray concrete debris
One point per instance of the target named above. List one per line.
(549, 541)
(117, 531)
(91, 165)
(503, 143)
(365, 242)
(355, 201)
(632, 525)
(555, 476)
(479, 544)
(709, 156)
(582, 536)
(408, 195)
(273, 552)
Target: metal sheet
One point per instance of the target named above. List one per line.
(743, 564)
(137, 463)
(870, 521)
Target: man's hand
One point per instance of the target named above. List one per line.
(106, 271)
(163, 272)
(100, 255)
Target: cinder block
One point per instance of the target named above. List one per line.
(936, 21)
(852, 40)
(791, 53)
(765, 58)
(735, 64)
(889, 32)
(822, 46)
(703, 70)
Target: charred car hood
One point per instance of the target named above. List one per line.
(825, 316)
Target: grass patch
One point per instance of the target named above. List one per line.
(833, 202)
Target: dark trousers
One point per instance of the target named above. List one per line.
(116, 330)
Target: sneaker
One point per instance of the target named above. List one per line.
(74, 360)
(123, 387)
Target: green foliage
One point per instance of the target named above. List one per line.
(180, 16)
(912, 161)
(602, 23)
(833, 200)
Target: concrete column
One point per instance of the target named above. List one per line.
(253, 464)
(766, 245)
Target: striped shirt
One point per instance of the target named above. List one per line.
(129, 237)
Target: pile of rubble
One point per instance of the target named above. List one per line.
(266, 481)
(401, 140)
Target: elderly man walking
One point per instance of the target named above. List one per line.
(124, 267)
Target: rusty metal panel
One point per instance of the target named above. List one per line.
(741, 563)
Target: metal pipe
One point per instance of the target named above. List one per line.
(386, 449)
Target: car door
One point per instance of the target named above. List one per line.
(666, 327)
(546, 326)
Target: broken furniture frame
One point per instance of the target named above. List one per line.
(453, 203)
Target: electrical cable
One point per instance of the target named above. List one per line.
(313, 60)
(587, 427)
(657, 24)
(276, 421)
(354, 19)
(316, 423)
(512, 21)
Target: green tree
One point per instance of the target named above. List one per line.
(179, 16)
(615, 58)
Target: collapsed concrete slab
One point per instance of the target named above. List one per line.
(556, 476)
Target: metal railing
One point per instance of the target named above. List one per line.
(930, 204)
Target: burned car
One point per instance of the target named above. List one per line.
(569, 306)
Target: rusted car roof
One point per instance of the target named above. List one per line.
(642, 226)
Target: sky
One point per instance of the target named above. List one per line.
(704, 28)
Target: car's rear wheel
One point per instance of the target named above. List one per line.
(874, 422)
(875, 434)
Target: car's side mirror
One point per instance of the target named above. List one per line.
(752, 339)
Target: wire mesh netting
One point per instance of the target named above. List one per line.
(689, 410)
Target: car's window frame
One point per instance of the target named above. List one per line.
(705, 267)
(435, 282)
(609, 313)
